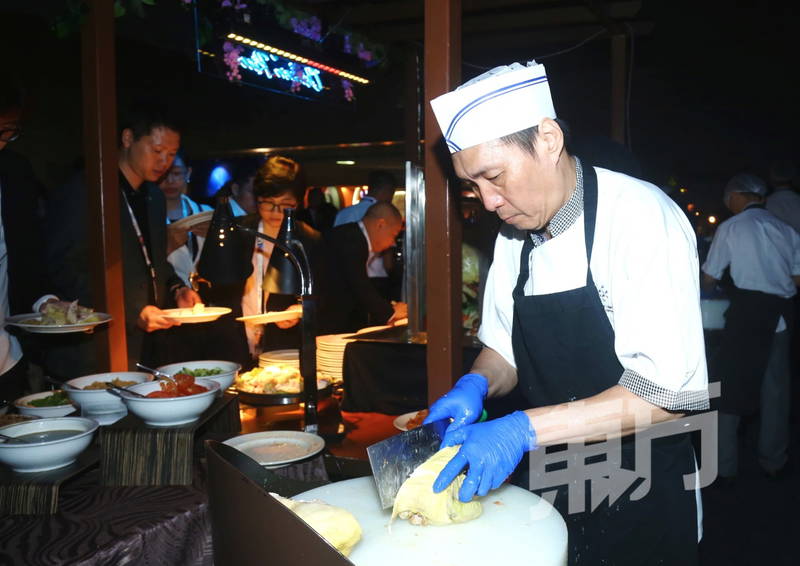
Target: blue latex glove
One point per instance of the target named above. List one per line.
(463, 403)
(491, 449)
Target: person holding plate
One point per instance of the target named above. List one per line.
(149, 141)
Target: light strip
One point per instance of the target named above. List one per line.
(294, 57)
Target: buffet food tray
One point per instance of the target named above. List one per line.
(269, 399)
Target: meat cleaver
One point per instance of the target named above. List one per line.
(392, 460)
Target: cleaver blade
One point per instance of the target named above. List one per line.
(394, 459)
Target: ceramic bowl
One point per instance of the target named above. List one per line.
(100, 401)
(25, 408)
(169, 411)
(47, 455)
(225, 379)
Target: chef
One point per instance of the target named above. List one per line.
(591, 308)
(752, 361)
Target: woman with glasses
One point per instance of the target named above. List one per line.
(275, 190)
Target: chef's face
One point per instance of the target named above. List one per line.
(150, 156)
(270, 209)
(524, 190)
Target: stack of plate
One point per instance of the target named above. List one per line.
(330, 354)
(289, 357)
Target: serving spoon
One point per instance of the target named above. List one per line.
(155, 372)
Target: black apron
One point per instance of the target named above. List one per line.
(741, 359)
(564, 350)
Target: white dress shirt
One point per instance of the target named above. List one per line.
(645, 267)
(762, 251)
(785, 204)
(10, 350)
(254, 297)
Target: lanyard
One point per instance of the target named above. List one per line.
(145, 253)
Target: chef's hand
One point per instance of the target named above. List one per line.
(463, 403)
(491, 450)
(152, 318)
(186, 297)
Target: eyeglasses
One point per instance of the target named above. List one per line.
(275, 206)
(9, 134)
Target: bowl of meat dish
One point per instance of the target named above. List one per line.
(45, 404)
(171, 402)
(91, 391)
(49, 443)
(220, 371)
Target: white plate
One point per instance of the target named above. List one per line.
(372, 329)
(401, 421)
(187, 315)
(268, 317)
(277, 448)
(188, 221)
(19, 321)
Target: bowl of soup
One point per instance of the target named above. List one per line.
(45, 444)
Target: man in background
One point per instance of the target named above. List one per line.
(351, 300)
(752, 362)
(149, 140)
(21, 264)
(379, 265)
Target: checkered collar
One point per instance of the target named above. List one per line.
(566, 215)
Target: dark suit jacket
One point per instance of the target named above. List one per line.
(22, 227)
(349, 300)
(68, 263)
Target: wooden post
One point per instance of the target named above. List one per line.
(100, 145)
(619, 88)
(442, 226)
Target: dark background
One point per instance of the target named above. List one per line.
(712, 91)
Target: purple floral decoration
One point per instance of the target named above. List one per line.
(231, 58)
(309, 27)
(364, 54)
(348, 90)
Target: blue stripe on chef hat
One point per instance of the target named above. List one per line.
(486, 98)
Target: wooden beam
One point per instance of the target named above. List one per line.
(100, 145)
(442, 226)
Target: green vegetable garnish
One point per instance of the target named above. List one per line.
(54, 400)
(201, 372)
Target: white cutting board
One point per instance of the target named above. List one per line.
(516, 527)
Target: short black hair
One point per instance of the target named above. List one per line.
(526, 139)
(143, 116)
(265, 187)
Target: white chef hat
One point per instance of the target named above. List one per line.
(497, 103)
(745, 183)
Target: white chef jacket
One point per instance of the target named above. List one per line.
(645, 267)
